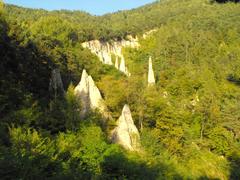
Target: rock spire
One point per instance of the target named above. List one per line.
(122, 67)
(89, 95)
(151, 78)
(126, 134)
(116, 63)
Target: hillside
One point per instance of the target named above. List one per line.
(187, 114)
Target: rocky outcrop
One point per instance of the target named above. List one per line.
(95, 97)
(123, 68)
(126, 134)
(105, 50)
(82, 92)
(195, 100)
(56, 84)
(89, 95)
(148, 33)
(116, 63)
(165, 94)
(151, 78)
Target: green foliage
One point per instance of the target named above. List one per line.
(194, 163)
(235, 162)
(83, 154)
(1, 7)
(29, 157)
(221, 140)
(83, 150)
(72, 111)
(46, 26)
(118, 165)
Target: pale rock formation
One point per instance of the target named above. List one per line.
(106, 57)
(105, 50)
(192, 103)
(151, 78)
(122, 67)
(165, 94)
(195, 101)
(89, 95)
(148, 33)
(96, 100)
(82, 92)
(126, 134)
(116, 63)
(56, 84)
(100, 55)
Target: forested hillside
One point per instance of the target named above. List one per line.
(189, 121)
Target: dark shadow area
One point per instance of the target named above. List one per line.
(225, 1)
(32, 163)
(118, 166)
(233, 80)
(234, 160)
(17, 165)
(24, 71)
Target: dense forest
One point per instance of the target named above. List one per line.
(189, 121)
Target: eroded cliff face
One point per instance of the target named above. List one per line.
(90, 96)
(106, 50)
(126, 133)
